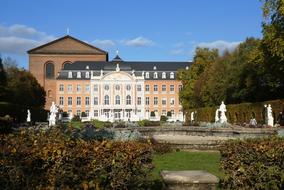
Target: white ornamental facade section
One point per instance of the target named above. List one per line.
(117, 95)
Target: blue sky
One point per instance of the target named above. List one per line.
(144, 30)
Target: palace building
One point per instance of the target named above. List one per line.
(79, 78)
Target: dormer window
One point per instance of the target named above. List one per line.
(163, 75)
(87, 75)
(154, 68)
(155, 75)
(172, 75)
(78, 74)
(69, 74)
(147, 75)
(186, 67)
(87, 67)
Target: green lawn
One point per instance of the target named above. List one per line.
(209, 161)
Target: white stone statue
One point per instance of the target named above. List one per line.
(192, 116)
(29, 116)
(102, 72)
(217, 116)
(52, 116)
(117, 68)
(270, 119)
(222, 109)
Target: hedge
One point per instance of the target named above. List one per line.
(54, 160)
(253, 164)
(238, 113)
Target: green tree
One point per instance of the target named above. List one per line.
(273, 45)
(204, 57)
(24, 89)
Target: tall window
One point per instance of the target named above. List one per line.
(128, 87)
(106, 100)
(106, 87)
(147, 101)
(69, 88)
(61, 87)
(49, 70)
(87, 113)
(95, 88)
(139, 88)
(69, 101)
(87, 101)
(79, 113)
(87, 88)
(164, 88)
(156, 88)
(117, 100)
(117, 87)
(164, 101)
(179, 88)
(61, 101)
(78, 87)
(155, 100)
(96, 113)
(78, 101)
(128, 100)
(96, 101)
(147, 88)
(138, 100)
(172, 88)
(172, 101)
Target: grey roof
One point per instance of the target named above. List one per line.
(127, 65)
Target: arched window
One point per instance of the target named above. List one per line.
(66, 64)
(117, 100)
(163, 75)
(49, 70)
(106, 100)
(128, 100)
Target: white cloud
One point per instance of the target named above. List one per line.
(138, 42)
(220, 45)
(20, 38)
(177, 51)
(104, 43)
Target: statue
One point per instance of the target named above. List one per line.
(270, 119)
(217, 116)
(52, 117)
(29, 116)
(222, 109)
(192, 116)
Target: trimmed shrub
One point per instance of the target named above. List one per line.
(76, 118)
(169, 114)
(65, 114)
(238, 113)
(83, 114)
(147, 123)
(163, 118)
(54, 159)
(253, 164)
